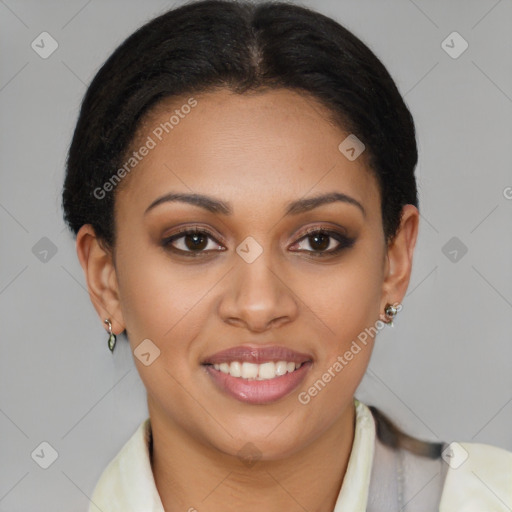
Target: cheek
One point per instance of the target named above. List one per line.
(348, 305)
(167, 305)
(159, 300)
(347, 299)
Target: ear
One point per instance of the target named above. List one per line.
(399, 256)
(100, 274)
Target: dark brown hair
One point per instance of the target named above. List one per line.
(392, 436)
(243, 47)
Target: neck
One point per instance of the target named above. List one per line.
(192, 476)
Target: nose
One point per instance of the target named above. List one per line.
(257, 296)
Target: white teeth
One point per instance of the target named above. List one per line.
(267, 370)
(235, 369)
(281, 367)
(264, 371)
(249, 370)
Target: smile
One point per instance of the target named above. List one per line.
(257, 374)
(265, 371)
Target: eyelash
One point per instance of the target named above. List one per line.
(343, 241)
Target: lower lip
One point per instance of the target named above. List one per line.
(258, 391)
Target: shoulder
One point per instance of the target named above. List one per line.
(468, 477)
(479, 477)
(127, 482)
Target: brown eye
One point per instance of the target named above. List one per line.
(197, 241)
(192, 241)
(319, 241)
(325, 242)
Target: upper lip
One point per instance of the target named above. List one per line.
(257, 355)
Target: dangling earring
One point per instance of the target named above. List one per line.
(112, 336)
(390, 311)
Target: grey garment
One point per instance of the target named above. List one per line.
(403, 481)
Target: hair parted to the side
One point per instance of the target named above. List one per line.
(244, 47)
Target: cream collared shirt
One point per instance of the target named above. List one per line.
(483, 483)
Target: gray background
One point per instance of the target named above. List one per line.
(443, 372)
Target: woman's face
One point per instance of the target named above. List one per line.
(251, 279)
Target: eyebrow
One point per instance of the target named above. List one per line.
(214, 205)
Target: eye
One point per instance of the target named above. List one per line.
(321, 242)
(192, 242)
(195, 242)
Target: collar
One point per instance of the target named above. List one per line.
(127, 483)
(353, 495)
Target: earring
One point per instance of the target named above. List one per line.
(112, 336)
(390, 311)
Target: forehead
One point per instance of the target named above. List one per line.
(274, 145)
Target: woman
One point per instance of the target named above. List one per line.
(241, 187)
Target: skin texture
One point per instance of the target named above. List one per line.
(256, 152)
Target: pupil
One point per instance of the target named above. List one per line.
(322, 245)
(196, 243)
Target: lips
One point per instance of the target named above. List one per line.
(234, 372)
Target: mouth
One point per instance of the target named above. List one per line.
(257, 375)
(251, 371)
